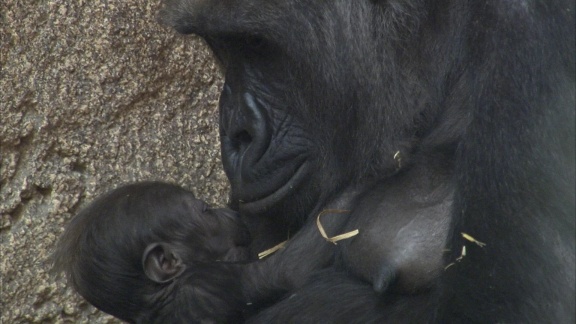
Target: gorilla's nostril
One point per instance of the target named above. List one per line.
(241, 140)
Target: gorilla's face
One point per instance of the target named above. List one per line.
(271, 142)
(315, 95)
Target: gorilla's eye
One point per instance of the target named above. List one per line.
(254, 43)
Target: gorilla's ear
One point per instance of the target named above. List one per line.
(161, 262)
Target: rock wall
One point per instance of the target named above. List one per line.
(93, 94)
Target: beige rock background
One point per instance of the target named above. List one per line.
(92, 94)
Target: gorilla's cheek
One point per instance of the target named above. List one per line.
(265, 153)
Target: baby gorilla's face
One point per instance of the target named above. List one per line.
(219, 232)
(194, 235)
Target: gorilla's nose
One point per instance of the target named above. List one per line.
(245, 135)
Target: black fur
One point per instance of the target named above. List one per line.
(419, 105)
(104, 253)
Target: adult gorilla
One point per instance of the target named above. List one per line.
(427, 119)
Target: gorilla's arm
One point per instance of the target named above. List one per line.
(325, 292)
(291, 266)
(331, 296)
(516, 170)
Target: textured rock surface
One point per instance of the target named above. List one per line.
(92, 94)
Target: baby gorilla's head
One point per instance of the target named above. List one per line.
(122, 249)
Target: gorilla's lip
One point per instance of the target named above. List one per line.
(268, 201)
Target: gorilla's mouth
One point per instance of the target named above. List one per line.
(287, 188)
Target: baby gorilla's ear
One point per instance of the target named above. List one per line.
(161, 262)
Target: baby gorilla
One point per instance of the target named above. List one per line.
(148, 252)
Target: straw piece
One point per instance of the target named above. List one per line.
(333, 239)
(271, 250)
(473, 240)
(462, 254)
(458, 259)
(469, 238)
(336, 238)
(398, 158)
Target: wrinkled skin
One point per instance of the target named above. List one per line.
(426, 119)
